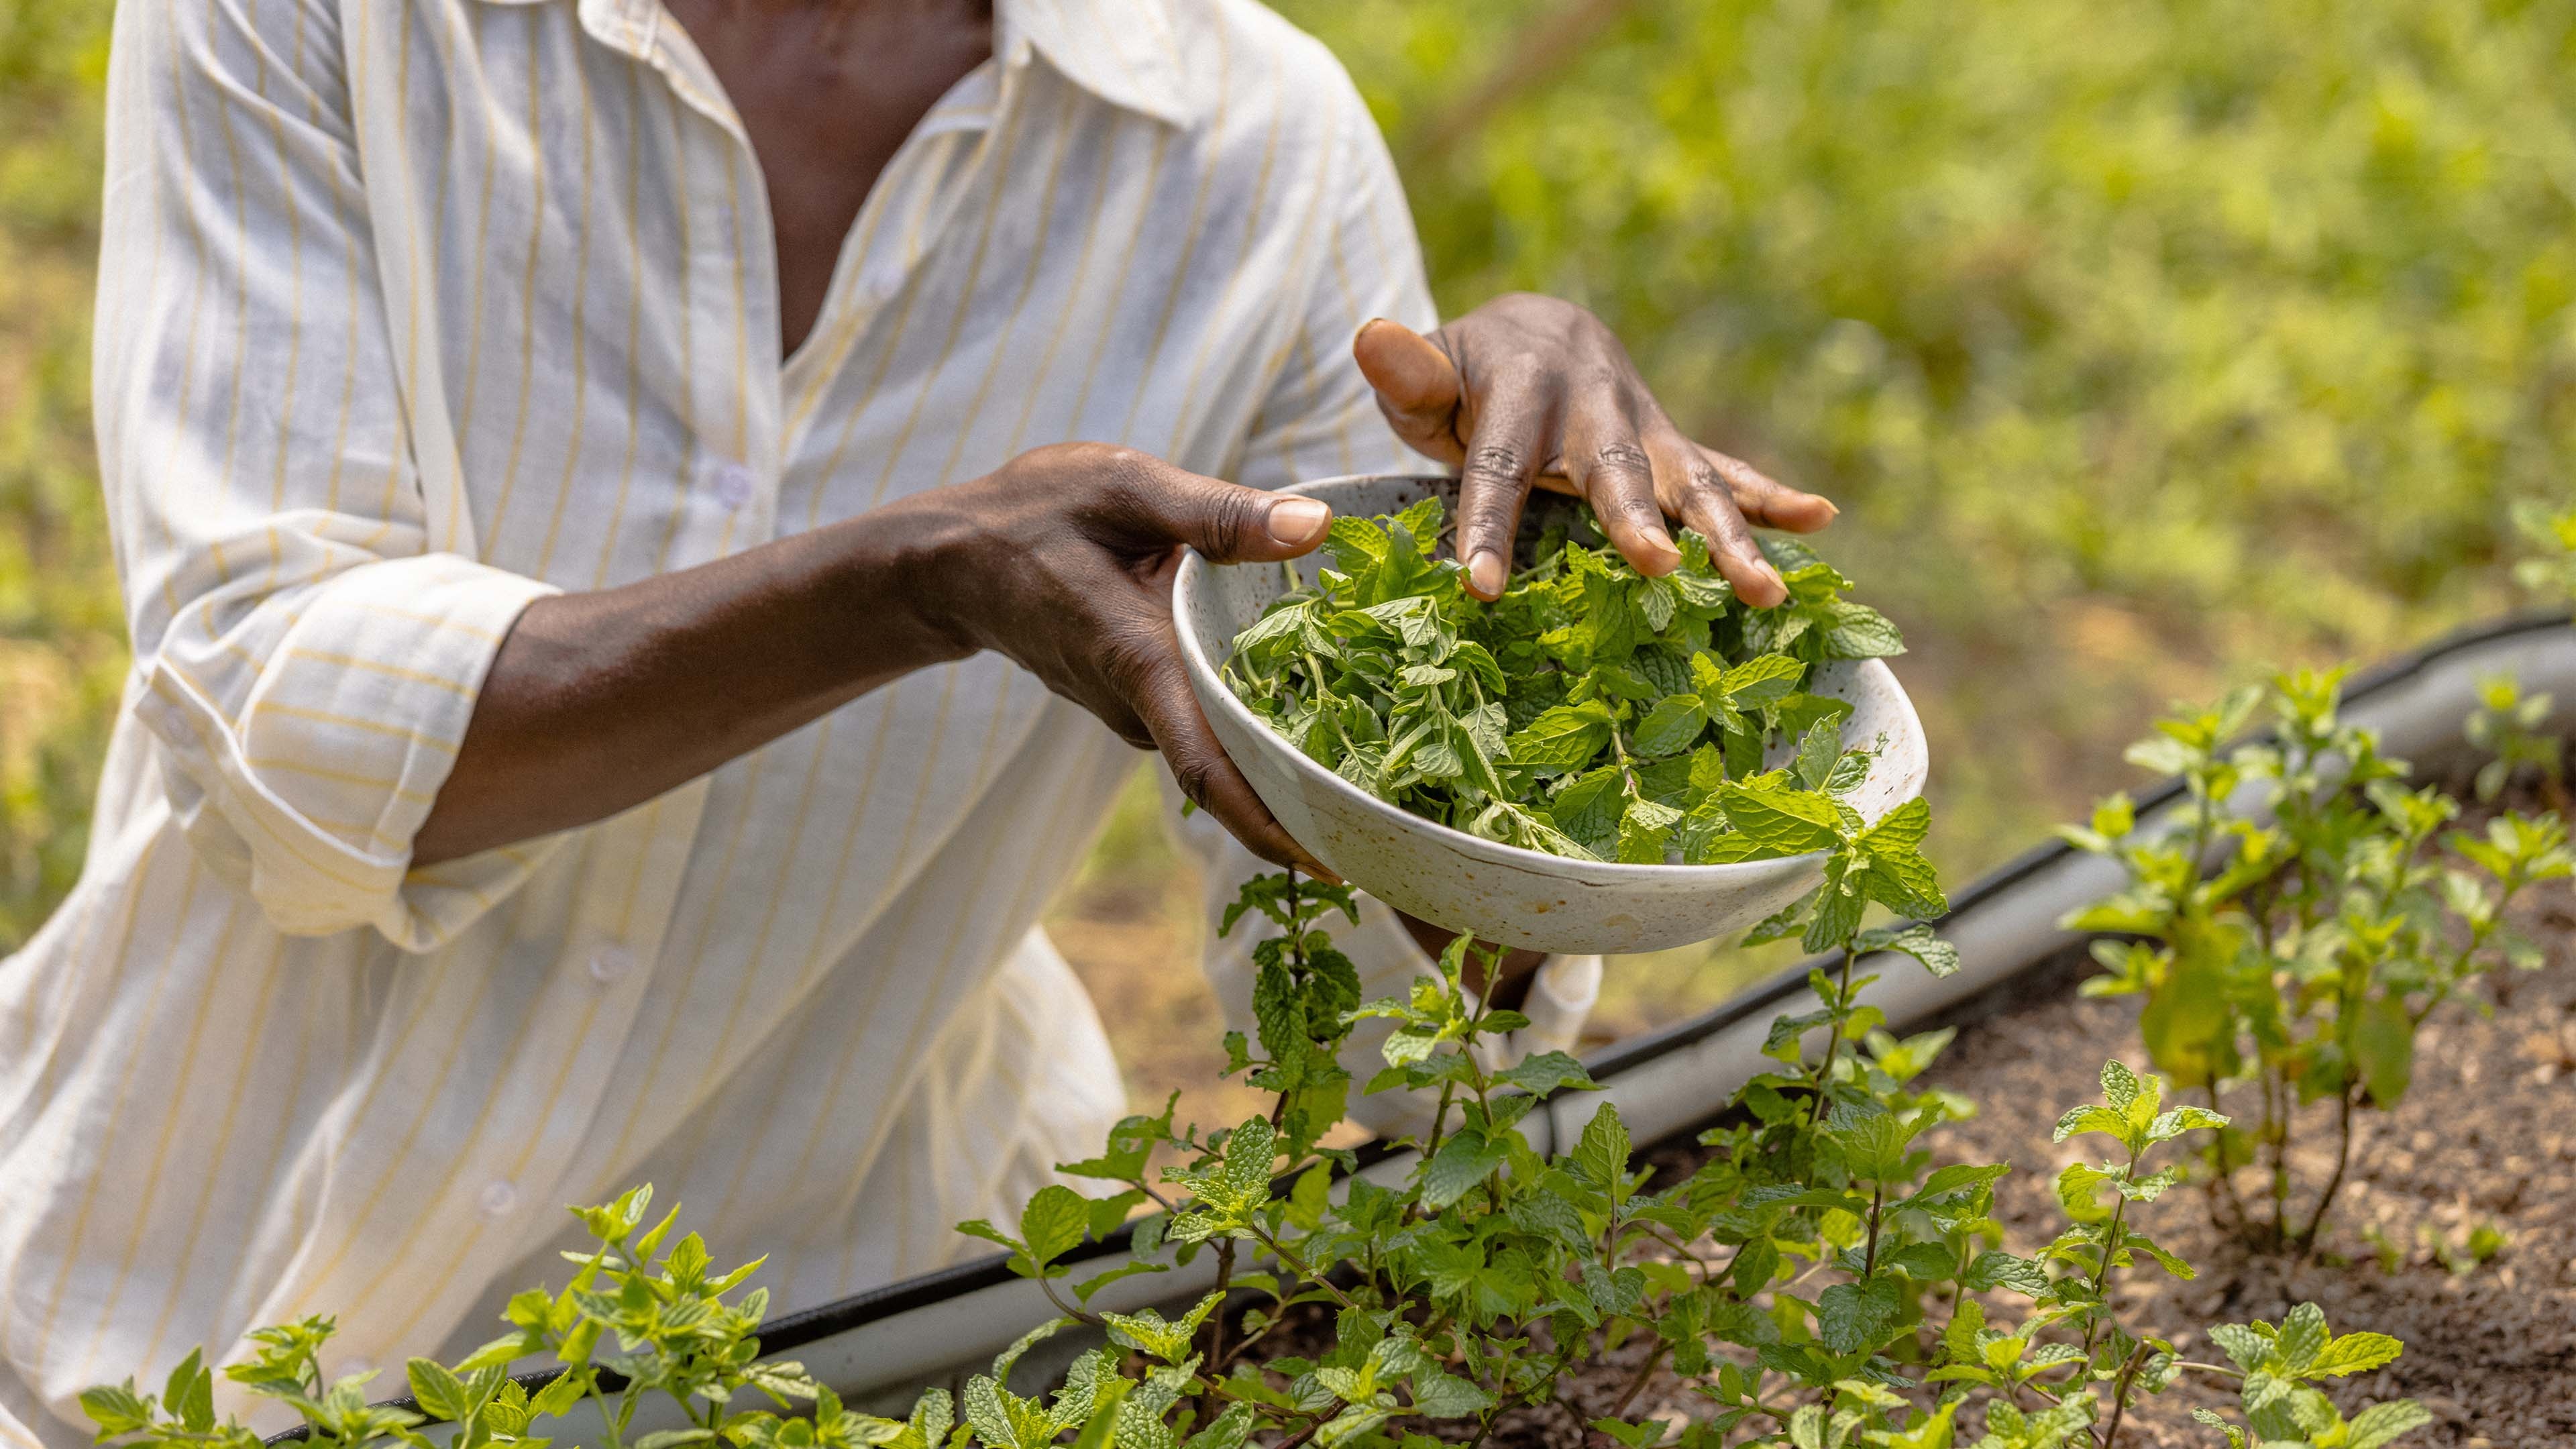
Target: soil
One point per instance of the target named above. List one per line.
(2485, 1138)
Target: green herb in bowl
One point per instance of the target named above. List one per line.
(1590, 712)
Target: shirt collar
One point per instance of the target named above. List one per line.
(1127, 52)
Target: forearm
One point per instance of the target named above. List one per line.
(599, 701)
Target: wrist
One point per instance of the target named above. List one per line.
(924, 571)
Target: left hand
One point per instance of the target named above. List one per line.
(1531, 390)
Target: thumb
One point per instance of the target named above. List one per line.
(1227, 522)
(1417, 386)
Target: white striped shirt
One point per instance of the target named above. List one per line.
(411, 313)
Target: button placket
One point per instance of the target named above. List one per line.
(610, 963)
(732, 484)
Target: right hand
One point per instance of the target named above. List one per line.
(1062, 561)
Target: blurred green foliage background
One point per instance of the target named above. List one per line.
(62, 639)
(2146, 346)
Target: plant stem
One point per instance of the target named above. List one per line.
(607, 1420)
(1637, 1385)
(2111, 1242)
(1869, 1255)
(1833, 1041)
(1296, 927)
(2343, 1161)
(1299, 1265)
(1627, 772)
(1067, 1309)
(2120, 1394)
(2222, 1177)
(1216, 1320)
(1302, 1435)
(1681, 1253)
(1243, 1346)
(1439, 1125)
(2276, 1145)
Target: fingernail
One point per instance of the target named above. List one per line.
(1830, 510)
(1485, 573)
(1773, 575)
(1296, 522)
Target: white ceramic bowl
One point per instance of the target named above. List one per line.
(1502, 892)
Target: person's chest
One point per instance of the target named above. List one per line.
(584, 278)
(826, 94)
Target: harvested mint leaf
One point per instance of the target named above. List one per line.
(1590, 712)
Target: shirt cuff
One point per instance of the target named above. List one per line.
(306, 775)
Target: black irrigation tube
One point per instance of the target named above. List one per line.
(793, 1331)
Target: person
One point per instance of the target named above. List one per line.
(625, 647)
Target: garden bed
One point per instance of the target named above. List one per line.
(2484, 1143)
(2464, 1161)
(2485, 1137)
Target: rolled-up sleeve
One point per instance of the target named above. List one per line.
(306, 664)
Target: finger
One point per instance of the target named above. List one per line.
(1706, 503)
(1200, 766)
(1767, 502)
(1417, 387)
(1153, 504)
(1502, 459)
(1613, 472)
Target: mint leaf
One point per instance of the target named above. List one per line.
(1566, 737)
(1778, 821)
(1672, 726)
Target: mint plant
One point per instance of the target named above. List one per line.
(626, 1327)
(1819, 1280)
(2295, 959)
(2280, 1368)
(2506, 726)
(2551, 532)
(1590, 712)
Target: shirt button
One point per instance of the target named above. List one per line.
(880, 289)
(357, 1366)
(498, 1198)
(732, 483)
(609, 963)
